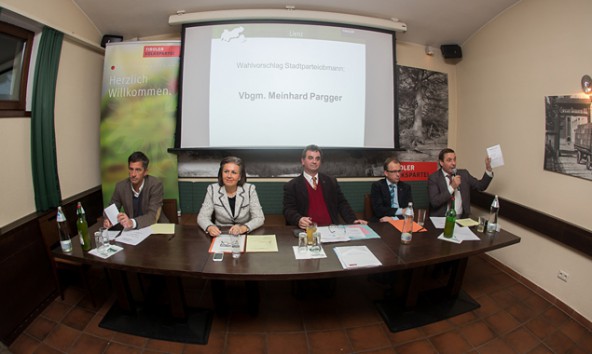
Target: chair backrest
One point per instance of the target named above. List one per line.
(48, 224)
(368, 212)
(169, 208)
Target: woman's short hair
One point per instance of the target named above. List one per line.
(237, 161)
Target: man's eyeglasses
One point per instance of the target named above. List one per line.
(394, 171)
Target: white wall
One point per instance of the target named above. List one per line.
(535, 49)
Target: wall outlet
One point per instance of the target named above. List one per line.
(562, 275)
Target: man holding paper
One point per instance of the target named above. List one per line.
(448, 182)
(139, 197)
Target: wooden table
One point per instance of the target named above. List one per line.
(185, 254)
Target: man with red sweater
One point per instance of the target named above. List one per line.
(316, 197)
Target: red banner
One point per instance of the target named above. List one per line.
(162, 51)
(417, 171)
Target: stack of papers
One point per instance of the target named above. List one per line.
(356, 257)
(308, 254)
(343, 233)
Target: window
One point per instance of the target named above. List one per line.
(15, 53)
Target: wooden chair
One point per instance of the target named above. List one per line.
(51, 238)
(169, 209)
(368, 212)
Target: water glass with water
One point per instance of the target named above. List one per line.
(316, 243)
(302, 246)
(236, 246)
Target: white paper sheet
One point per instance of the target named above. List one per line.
(496, 156)
(460, 234)
(223, 243)
(356, 257)
(134, 237)
(111, 251)
(438, 221)
(111, 212)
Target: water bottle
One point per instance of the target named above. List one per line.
(450, 220)
(407, 232)
(493, 212)
(82, 227)
(64, 231)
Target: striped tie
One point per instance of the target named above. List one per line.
(314, 183)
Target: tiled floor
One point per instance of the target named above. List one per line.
(512, 319)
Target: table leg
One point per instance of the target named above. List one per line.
(175, 291)
(122, 290)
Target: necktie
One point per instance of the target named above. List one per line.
(314, 183)
(394, 199)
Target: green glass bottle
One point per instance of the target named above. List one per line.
(450, 220)
(82, 227)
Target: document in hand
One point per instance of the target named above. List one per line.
(356, 257)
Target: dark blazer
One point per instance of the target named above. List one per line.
(152, 194)
(296, 200)
(440, 197)
(380, 195)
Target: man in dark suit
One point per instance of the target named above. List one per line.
(315, 197)
(448, 182)
(140, 195)
(390, 196)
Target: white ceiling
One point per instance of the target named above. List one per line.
(429, 22)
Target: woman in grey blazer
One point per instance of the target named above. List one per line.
(231, 201)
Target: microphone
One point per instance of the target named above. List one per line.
(454, 172)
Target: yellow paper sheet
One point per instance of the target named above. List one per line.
(466, 222)
(167, 229)
(261, 243)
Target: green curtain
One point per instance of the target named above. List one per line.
(43, 147)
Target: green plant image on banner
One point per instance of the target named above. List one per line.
(138, 111)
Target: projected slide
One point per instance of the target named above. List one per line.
(256, 90)
(252, 85)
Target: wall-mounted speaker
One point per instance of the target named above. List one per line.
(110, 38)
(451, 51)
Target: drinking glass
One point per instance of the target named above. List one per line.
(302, 246)
(310, 230)
(316, 243)
(482, 223)
(421, 215)
(236, 248)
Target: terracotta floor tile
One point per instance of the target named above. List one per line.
(216, 345)
(555, 316)
(241, 343)
(287, 343)
(521, 312)
(118, 348)
(62, 337)
(40, 328)
(164, 346)
(322, 320)
(334, 341)
(437, 327)
(290, 321)
(368, 337)
(559, 342)
(129, 339)
(72, 295)
(496, 346)
(46, 349)
(536, 303)
(405, 336)
(56, 311)
(541, 349)
(382, 351)
(521, 340)
(422, 346)
(89, 344)
(520, 291)
(463, 319)
(92, 327)
(504, 298)
(78, 318)
(502, 322)
(360, 315)
(573, 330)
(450, 342)
(488, 307)
(477, 333)
(541, 327)
(24, 344)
